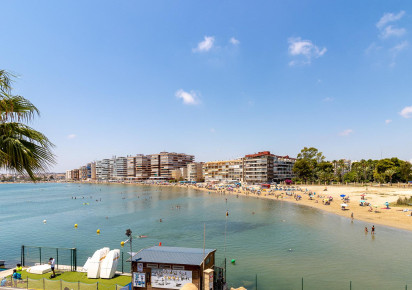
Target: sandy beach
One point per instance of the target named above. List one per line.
(393, 217)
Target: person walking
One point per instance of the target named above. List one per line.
(373, 230)
(351, 215)
(52, 263)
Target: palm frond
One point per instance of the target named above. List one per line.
(16, 108)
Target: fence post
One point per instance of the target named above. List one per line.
(44, 286)
(61, 286)
(40, 254)
(256, 281)
(302, 283)
(57, 254)
(27, 284)
(350, 285)
(78, 285)
(122, 263)
(97, 285)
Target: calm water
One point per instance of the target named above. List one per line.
(327, 250)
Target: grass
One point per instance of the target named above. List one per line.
(79, 277)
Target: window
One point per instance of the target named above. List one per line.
(152, 266)
(164, 266)
(176, 267)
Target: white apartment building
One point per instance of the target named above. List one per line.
(258, 168)
(118, 167)
(283, 168)
(102, 169)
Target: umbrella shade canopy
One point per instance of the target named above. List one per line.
(342, 195)
(343, 205)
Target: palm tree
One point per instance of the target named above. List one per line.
(22, 148)
(390, 172)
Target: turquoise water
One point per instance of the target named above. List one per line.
(327, 250)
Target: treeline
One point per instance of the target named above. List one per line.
(311, 166)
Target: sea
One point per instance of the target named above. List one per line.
(273, 244)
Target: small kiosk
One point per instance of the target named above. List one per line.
(162, 267)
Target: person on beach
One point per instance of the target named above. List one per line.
(351, 216)
(366, 230)
(19, 268)
(52, 264)
(16, 276)
(373, 230)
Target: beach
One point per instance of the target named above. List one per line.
(393, 217)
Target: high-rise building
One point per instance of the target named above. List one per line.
(283, 168)
(258, 168)
(118, 167)
(143, 166)
(102, 169)
(131, 166)
(83, 173)
(164, 163)
(93, 171)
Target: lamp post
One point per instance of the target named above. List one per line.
(129, 240)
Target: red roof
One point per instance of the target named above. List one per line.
(264, 153)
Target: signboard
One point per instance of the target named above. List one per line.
(170, 279)
(140, 267)
(139, 280)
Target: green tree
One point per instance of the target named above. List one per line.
(303, 169)
(405, 171)
(22, 148)
(389, 173)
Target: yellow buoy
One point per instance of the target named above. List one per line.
(75, 225)
(98, 231)
(122, 243)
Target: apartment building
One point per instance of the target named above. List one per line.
(179, 174)
(68, 175)
(258, 168)
(283, 168)
(164, 163)
(195, 171)
(223, 171)
(93, 171)
(131, 166)
(88, 170)
(75, 174)
(83, 173)
(118, 167)
(102, 169)
(143, 166)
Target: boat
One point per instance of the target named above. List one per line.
(93, 271)
(109, 265)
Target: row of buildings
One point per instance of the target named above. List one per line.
(256, 168)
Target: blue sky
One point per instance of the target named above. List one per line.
(218, 79)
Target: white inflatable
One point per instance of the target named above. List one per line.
(86, 265)
(109, 265)
(39, 269)
(93, 271)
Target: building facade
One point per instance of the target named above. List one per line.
(102, 169)
(223, 171)
(283, 168)
(143, 166)
(258, 168)
(195, 171)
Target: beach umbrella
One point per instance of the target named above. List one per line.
(342, 195)
(343, 205)
(362, 201)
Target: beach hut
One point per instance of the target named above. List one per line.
(172, 267)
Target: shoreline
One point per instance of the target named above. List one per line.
(394, 217)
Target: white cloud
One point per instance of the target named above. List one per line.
(346, 132)
(399, 47)
(388, 121)
(389, 17)
(205, 45)
(234, 41)
(389, 31)
(71, 136)
(188, 98)
(328, 100)
(406, 112)
(305, 48)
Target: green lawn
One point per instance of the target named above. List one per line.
(79, 277)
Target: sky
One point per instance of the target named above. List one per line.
(217, 79)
